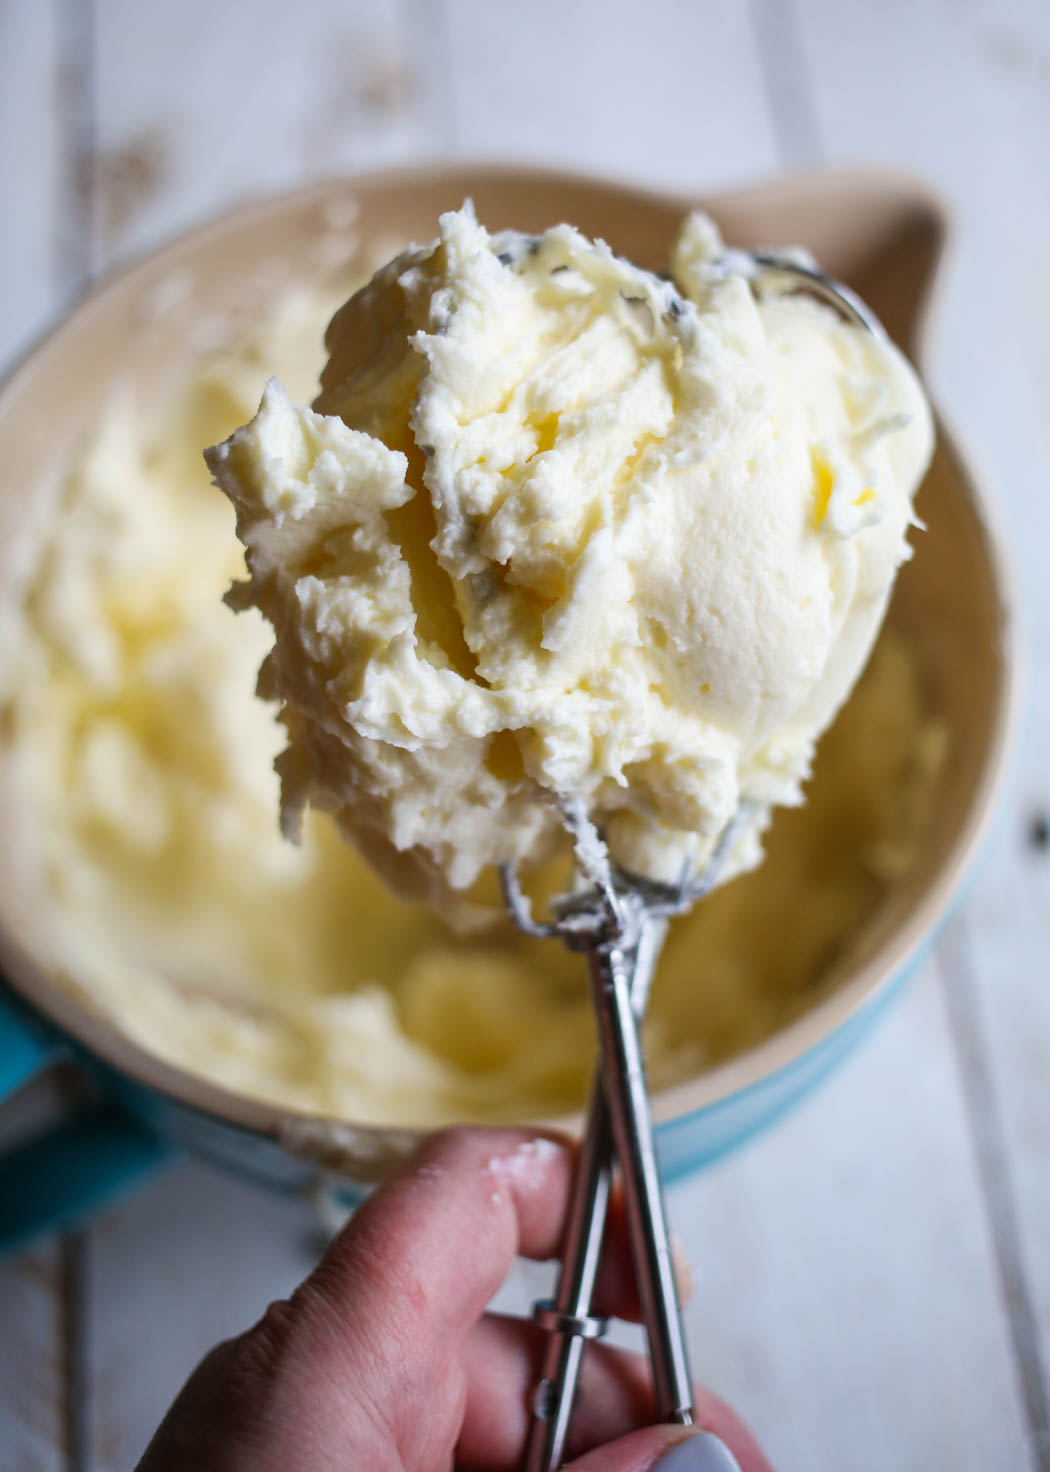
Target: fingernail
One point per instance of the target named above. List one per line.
(704, 1452)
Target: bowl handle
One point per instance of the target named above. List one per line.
(59, 1175)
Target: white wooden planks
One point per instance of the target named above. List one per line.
(970, 109)
(846, 1299)
(32, 1405)
(30, 172)
(34, 282)
(195, 1257)
(200, 105)
(666, 94)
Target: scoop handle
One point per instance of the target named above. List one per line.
(568, 1317)
(627, 1095)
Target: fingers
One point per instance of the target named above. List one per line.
(389, 1305)
(502, 1359)
(370, 1343)
(662, 1449)
(380, 1349)
(437, 1241)
(420, 1261)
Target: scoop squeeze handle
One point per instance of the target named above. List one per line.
(568, 1318)
(632, 1130)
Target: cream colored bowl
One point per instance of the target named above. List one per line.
(882, 234)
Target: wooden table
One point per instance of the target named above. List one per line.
(874, 1274)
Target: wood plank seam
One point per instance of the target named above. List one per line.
(74, 246)
(987, 1133)
(75, 1298)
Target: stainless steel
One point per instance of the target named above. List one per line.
(583, 1326)
(619, 922)
(815, 283)
(627, 1097)
(555, 1393)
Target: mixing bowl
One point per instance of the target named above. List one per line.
(881, 233)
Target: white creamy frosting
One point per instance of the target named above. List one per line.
(559, 530)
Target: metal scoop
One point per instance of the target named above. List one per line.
(618, 921)
(619, 925)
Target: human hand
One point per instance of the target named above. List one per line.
(384, 1360)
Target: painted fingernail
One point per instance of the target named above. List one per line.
(704, 1452)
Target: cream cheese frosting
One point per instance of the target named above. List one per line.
(557, 530)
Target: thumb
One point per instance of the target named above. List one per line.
(661, 1449)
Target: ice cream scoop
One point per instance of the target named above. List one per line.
(567, 547)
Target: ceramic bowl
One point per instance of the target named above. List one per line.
(881, 233)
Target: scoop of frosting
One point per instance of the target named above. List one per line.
(560, 532)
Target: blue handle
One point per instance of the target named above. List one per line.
(58, 1177)
(27, 1047)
